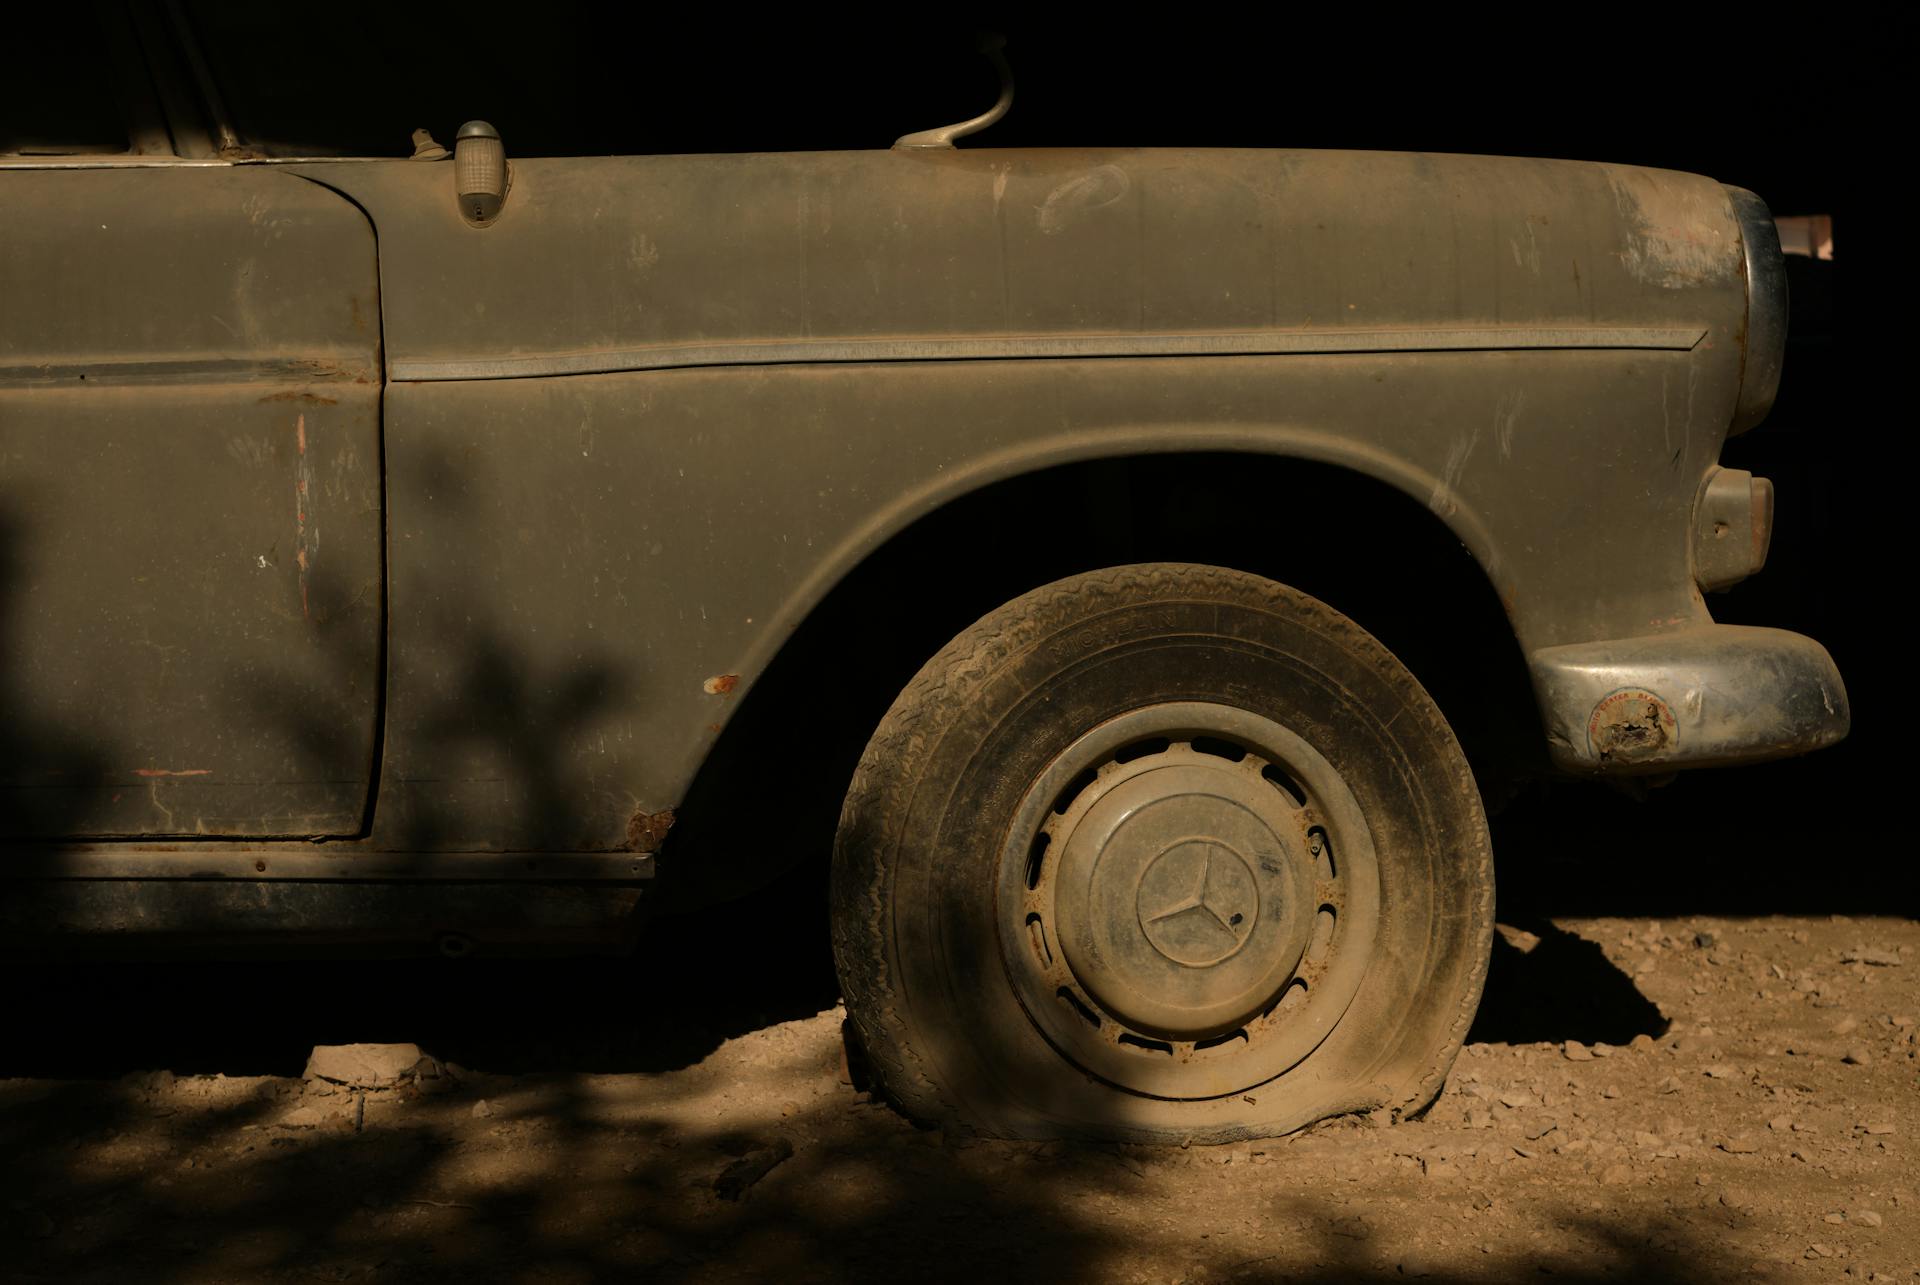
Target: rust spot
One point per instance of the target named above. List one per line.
(1631, 725)
(720, 684)
(646, 831)
(309, 399)
(322, 368)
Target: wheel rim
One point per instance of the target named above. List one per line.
(1187, 900)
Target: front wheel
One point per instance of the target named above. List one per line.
(1158, 853)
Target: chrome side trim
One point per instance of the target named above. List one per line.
(317, 369)
(1027, 347)
(324, 862)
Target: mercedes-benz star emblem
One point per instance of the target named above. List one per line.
(1198, 902)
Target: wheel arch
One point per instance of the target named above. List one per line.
(973, 538)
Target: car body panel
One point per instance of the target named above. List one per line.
(744, 373)
(190, 481)
(627, 436)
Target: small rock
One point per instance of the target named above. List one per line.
(1380, 1118)
(1878, 956)
(1441, 1170)
(1780, 1123)
(1819, 1251)
(1846, 1026)
(302, 1117)
(363, 1066)
(1739, 1146)
(1482, 1201)
(1721, 1071)
(1602, 1050)
(1616, 1175)
(1575, 1051)
(1479, 1119)
(1518, 938)
(1641, 1042)
(1611, 1091)
(751, 1168)
(1856, 1056)
(1705, 939)
(1879, 1128)
(1865, 1218)
(1518, 1099)
(1836, 1219)
(482, 1109)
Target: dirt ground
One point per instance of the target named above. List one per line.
(1697, 1097)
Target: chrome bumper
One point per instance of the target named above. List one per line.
(1701, 697)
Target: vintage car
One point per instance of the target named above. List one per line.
(1128, 567)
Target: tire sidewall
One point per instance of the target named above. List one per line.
(1073, 656)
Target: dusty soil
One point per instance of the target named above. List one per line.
(1767, 1133)
(1740, 1100)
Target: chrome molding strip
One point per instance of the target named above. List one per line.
(321, 368)
(324, 862)
(1026, 347)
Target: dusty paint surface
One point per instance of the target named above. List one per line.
(187, 406)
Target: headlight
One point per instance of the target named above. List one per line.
(1766, 332)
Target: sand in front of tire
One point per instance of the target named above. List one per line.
(1766, 1132)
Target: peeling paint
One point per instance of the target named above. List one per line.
(306, 529)
(646, 831)
(164, 771)
(310, 399)
(1677, 234)
(642, 253)
(1504, 416)
(720, 684)
(1445, 498)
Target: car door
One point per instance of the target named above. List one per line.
(191, 593)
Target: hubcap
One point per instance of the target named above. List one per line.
(1198, 903)
(1181, 901)
(1187, 899)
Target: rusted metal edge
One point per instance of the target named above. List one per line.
(1262, 343)
(128, 861)
(220, 370)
